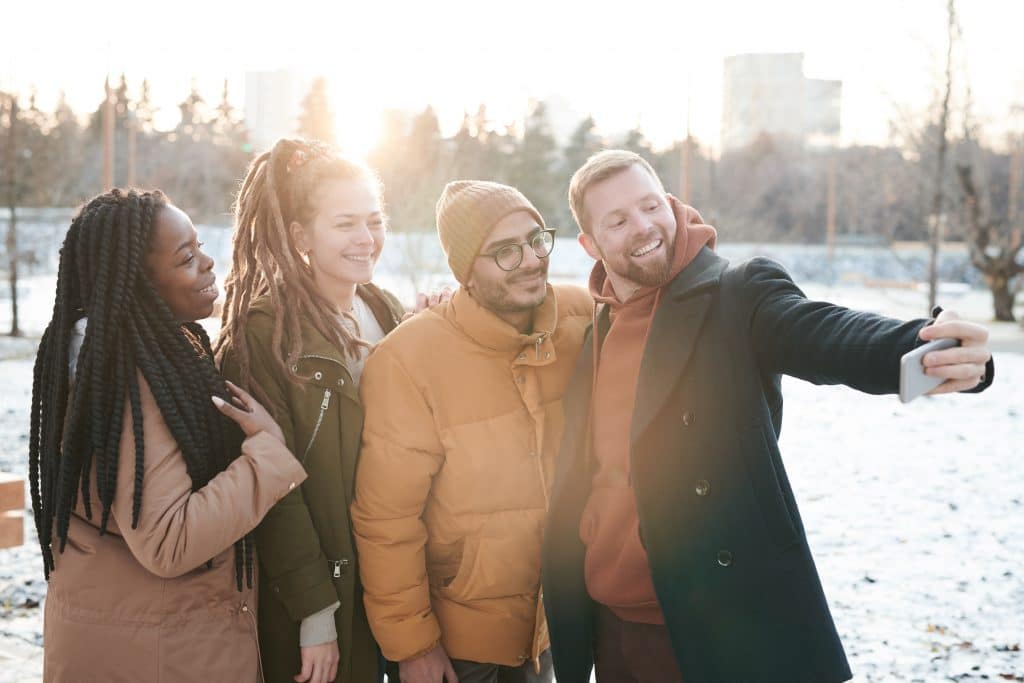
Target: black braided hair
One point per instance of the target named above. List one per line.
(77, 421)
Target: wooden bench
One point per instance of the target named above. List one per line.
(12, 510)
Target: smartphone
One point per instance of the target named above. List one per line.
(913, 381)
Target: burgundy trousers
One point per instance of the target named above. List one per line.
(629, 652)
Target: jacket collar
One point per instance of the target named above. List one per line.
(315, 344)
(489, 331)
(704, 271)
(670, 343)
(673, 337)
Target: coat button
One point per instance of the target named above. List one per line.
(703, 488)
(687, 419)
(724, 558)
(522, 356)
(341, 382)
(295, 368)
(318, 375)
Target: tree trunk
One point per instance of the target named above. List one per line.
(12, 269)
(935, 235)
(1002, 298)
(12, 226)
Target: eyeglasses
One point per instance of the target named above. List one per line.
(510, 256)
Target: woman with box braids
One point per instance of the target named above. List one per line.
(122, 421)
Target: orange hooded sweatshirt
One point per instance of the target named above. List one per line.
(616, 569)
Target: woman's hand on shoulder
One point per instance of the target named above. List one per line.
(425, 301)
(249, 413)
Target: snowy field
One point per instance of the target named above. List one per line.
(915, 513)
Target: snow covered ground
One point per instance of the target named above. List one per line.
(915, 512)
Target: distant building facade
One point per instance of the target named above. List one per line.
(768, 93)
(272, 100)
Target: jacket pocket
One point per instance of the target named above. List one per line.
(765, 482)
(501, 560)
(444, 562)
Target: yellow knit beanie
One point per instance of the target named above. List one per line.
(466, 213)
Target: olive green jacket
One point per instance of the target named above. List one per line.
(306, 552)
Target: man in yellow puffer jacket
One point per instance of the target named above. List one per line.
(463, 422)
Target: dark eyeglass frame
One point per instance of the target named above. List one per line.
(540, 249)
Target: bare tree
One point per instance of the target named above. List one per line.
(935, 232)
(994, 246)
(10, 104)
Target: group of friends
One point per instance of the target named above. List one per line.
(514, 482)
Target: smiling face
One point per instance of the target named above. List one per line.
(631, 227)
(179, 270)
(345, 236)
(510, 292)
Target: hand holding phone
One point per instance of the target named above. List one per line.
(913, 380)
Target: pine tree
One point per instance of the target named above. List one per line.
(193, 121)
(421, 176)
(316, 122)
(534, 166)
(65, 141)
(467, 152)
(144, 109)
(636, 142)
(497, 148)
(583, 142)
(25, 165)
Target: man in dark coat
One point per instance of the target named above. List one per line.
(674, 548)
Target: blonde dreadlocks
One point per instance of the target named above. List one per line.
(276, 192)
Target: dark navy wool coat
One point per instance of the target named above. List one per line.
(727, 551)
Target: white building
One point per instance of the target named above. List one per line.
(272, 100)
(768, 93)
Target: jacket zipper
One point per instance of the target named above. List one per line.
(339, 566)
(319, 420)
(547, 504)
(323, 407)
(538, 342)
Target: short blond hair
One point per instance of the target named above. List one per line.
(598, 167)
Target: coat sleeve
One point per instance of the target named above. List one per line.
(292, 563)
(400, 455)
(820, 342)
(179, 529)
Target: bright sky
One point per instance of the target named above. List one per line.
(624, 62)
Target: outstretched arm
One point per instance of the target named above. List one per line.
(824, 343)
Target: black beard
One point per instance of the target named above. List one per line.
(496, 296)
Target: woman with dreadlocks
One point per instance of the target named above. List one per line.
(140, 487)
(299, 317)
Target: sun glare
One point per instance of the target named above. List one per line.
(357, 131)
